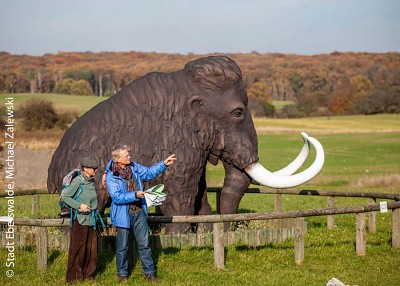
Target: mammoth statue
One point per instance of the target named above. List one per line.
(200, 114)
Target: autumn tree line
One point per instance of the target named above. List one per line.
(325, 84)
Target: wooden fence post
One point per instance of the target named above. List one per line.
(35, 203)
(278, 202)
(330, 218)
(396, 228)
(299, 240)
(372, 217)
(219, 249)
(41, 247)
(361, 242)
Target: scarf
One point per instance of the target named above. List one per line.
(88, 179)
(126, 174)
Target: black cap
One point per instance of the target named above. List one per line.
(89, 163)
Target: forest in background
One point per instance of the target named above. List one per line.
(324, 84)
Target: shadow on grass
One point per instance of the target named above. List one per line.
(53, 256)
(166, 251)
(316, 224)
(242, 210)
(261, 247)
(103, 260)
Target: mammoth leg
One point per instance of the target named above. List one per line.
(235, 184)
(201, 205)
(179, 202)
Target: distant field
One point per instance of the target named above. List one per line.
(60, 101)
(332, 124)
(280, 103)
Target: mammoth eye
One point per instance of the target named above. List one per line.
(238, 113)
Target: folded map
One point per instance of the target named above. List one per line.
(154, 195)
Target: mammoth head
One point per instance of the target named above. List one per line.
(221, 106)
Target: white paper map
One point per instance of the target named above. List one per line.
(154, 195)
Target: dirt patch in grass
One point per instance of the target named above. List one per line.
(377, 181)
(30, 168)
(33, 153)
(39, 139)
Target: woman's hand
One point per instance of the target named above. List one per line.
(84, 208)
(170, 160)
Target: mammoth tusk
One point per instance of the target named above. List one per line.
(299, 161)
(264, 177)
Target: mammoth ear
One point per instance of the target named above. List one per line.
(195, 104)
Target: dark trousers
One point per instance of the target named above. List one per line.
(82, 256)
(138, 223)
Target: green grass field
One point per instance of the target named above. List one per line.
(333, 124)
(60, 101)
(362, 154)
(279, 104)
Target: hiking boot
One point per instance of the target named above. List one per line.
(151, 278)
(122, 279)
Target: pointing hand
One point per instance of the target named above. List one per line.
(170, 160)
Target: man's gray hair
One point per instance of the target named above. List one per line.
(116, 152)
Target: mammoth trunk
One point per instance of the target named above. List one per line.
(235, 184)
(238, 146)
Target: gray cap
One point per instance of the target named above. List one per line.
(89, 162)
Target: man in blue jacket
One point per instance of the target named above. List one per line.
(128, 207)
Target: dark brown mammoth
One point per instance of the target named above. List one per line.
(199, 113)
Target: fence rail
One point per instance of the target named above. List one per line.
(217, 218)
(218, 221)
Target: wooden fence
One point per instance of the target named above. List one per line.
(261, 233)
(220, 238)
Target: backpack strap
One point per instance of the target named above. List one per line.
(74, 213)
(95, 214)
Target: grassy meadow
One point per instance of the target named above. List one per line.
(60, 101)
(362, 153)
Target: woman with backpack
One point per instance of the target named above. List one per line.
(81, 196)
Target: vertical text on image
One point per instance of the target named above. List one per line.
(9, 172)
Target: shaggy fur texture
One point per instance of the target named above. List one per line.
(183, 113)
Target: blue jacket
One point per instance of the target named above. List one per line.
(120, 196)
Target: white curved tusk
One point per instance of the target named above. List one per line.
(299, 161)
(258, 173)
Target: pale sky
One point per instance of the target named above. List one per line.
(304, 27)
